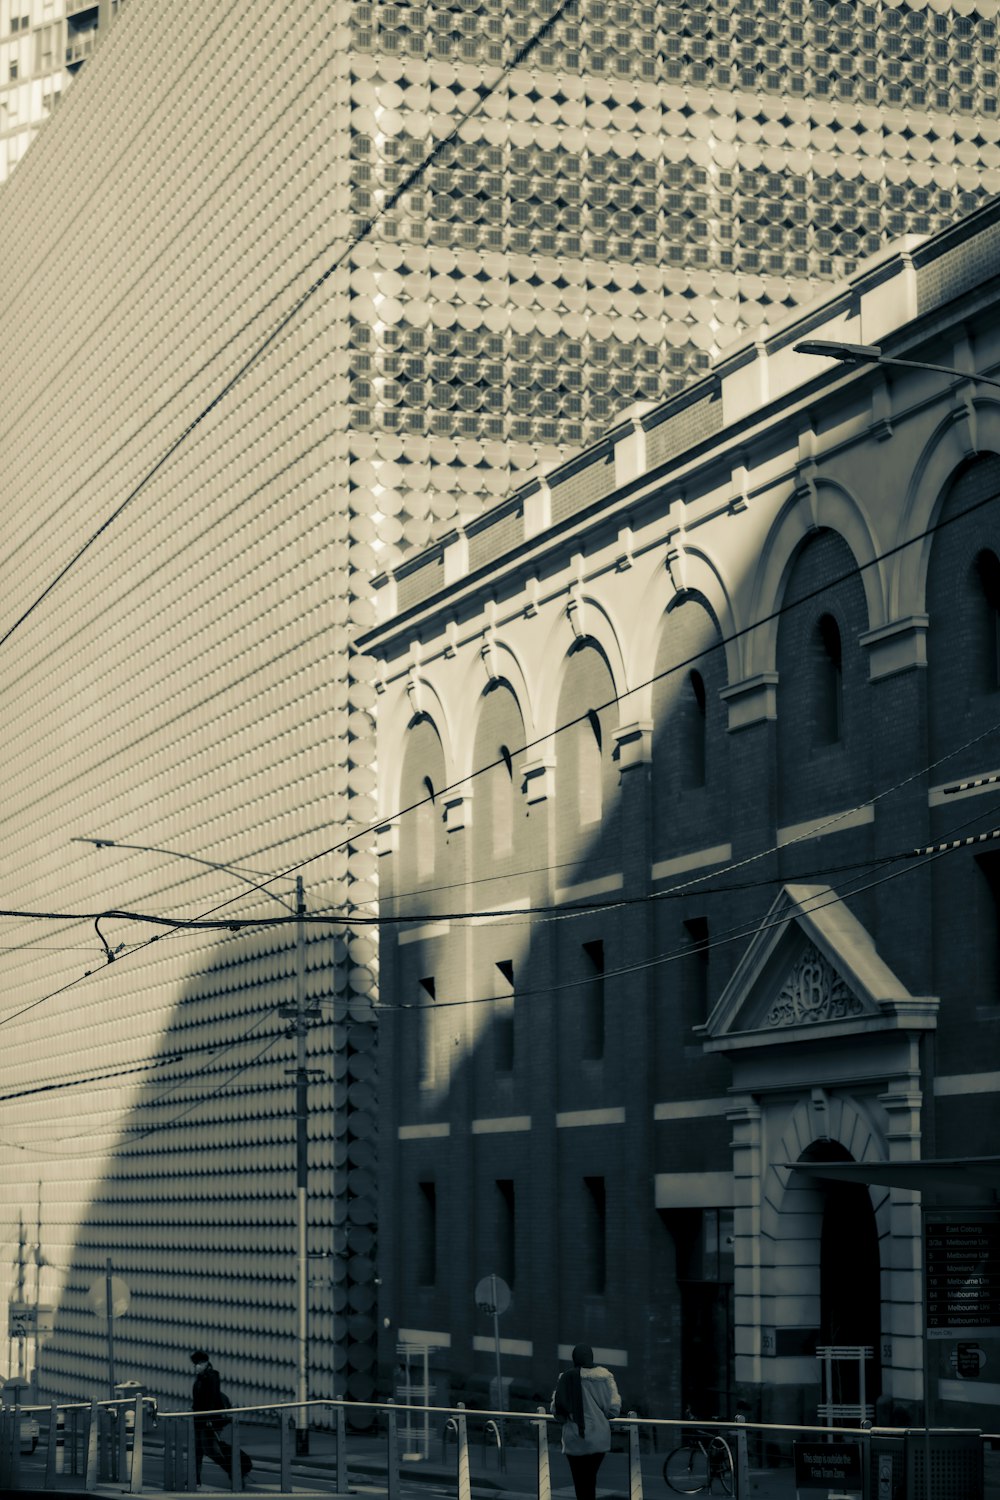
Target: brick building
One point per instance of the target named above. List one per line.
(657, 737)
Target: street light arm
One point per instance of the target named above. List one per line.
(209, 864)
(871, 354)
(851, 354)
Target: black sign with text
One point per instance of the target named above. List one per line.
(962, 1256)
(827, 1466)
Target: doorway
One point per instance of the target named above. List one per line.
(849, 1276)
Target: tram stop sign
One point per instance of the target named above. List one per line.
(492, 1295)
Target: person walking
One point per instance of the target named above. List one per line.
(206, 1395)
(585, 1400)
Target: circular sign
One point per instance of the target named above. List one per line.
(97, 1296)
(492, 1295)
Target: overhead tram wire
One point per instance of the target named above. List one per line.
(351, 918)
(735, 934)
(393, 198)
(689, 661)
(924, 855)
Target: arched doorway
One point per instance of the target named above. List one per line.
(849, 1275)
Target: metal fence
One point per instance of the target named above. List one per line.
(136, 1447)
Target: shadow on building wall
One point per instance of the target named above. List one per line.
(197, 1208)
(544, 1086)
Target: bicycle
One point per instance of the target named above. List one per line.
(702, 1458)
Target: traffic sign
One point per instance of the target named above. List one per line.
(97, 1296)
(492, 1295)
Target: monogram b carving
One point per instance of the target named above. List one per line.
(814, 991)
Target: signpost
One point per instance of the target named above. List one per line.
(492, 1295)
(109, 1294)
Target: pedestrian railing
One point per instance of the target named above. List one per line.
(134, 1446)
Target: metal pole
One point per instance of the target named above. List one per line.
(542, 1434)
(462, 1455)
(108, 1301)
(301, 1175)
(634, 1459)
(496, 1343)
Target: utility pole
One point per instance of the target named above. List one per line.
(301, 1017)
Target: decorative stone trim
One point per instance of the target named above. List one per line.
(538, 778)
(896, 647)
(752, 700)
(813, 991)
(458, 811)
(635, 744)
(387, 838)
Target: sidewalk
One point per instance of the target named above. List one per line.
(315, 1474)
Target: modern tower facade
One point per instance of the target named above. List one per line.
(652, 182)
(219, 311)
(43, 43)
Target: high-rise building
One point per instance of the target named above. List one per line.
(651, 182)
(239, 375)
(43, 43)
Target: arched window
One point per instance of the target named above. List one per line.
(589, 768)
(988, 573)
(693, 729)
(502, 803)
(829, 682)
(426, 831)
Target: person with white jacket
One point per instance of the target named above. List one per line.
(585, 1400)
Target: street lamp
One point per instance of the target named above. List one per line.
(871, 354)
(301, 1017)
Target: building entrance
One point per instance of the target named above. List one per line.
(849, 1279)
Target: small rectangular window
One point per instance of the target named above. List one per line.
(503, 1016)
(989, 943)
(427, 993)
(505, 1242)
(592, 1001)
(425, 1234)
(594, 1255)
(696, 966)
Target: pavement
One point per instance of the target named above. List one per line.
(434, 1476)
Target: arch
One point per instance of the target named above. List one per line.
(497, 736)
(804, 1274)
(701, 579)
(586, 776)
(423, 777)
(943, 456)
(599, 631)
(835, 509)
(845, 1121)
(393, 732)
(475, 685)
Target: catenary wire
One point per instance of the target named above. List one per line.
(352, 919)
(785, 607)
(926, 855)
(735, 934)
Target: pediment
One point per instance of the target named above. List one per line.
(811, 969)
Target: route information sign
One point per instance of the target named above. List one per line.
(962, 1256)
